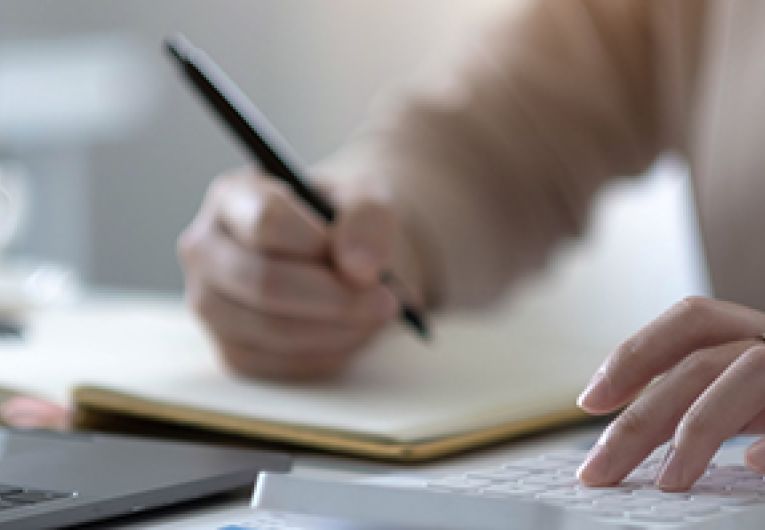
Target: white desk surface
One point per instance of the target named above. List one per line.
(236, 509)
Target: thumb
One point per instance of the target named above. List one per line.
(363, 239)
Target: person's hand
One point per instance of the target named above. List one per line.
(26, 411)
(283, 294)
(713, 387)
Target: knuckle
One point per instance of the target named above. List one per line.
(627, 347)
(184, 245)
(694, 307)
(693, 426)
(269, 280)
(273, 213)
(189, 243)
(195, 248)
(219, 187)
(755, 358)
(702, 365)
(630, 423)
(628, 350)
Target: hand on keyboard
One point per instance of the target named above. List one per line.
(712, 358)
(529, 494)
(722, 490)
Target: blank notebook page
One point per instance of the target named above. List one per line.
(476, 372)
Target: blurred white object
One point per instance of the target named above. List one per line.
(69, 91)
(13, 203)
(24, 286)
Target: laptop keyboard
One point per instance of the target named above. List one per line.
(16, 496)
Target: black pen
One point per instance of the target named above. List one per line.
(259, 137)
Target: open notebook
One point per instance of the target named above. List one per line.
(480, 380)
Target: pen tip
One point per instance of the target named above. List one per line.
(417, 322)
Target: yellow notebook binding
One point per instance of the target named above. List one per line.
(95, 404)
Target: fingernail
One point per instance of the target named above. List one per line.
(386, 304)
(596, 391)
(755, 456)
(595, 468)
(360, 262)
(671, 471)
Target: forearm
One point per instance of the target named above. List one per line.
(494, 163)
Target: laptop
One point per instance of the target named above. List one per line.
(54, 480)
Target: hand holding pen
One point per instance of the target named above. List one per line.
(287, 279)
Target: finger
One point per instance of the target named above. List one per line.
(755, 456)
(756, 425)
(30, 412)
(651, 419)
(266, 334)
(363, 239)
(263, 214)
(288, 288)
(245, 361)
(693, 324)
(724, 408)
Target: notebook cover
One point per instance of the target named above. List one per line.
(94, 404)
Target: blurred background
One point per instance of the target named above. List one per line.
(112, 154)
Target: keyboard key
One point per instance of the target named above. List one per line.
(561, 495)
(687, 508)
(459, 483)
(654, 493)
(498, 475)
(28, 497)
(651, 516)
